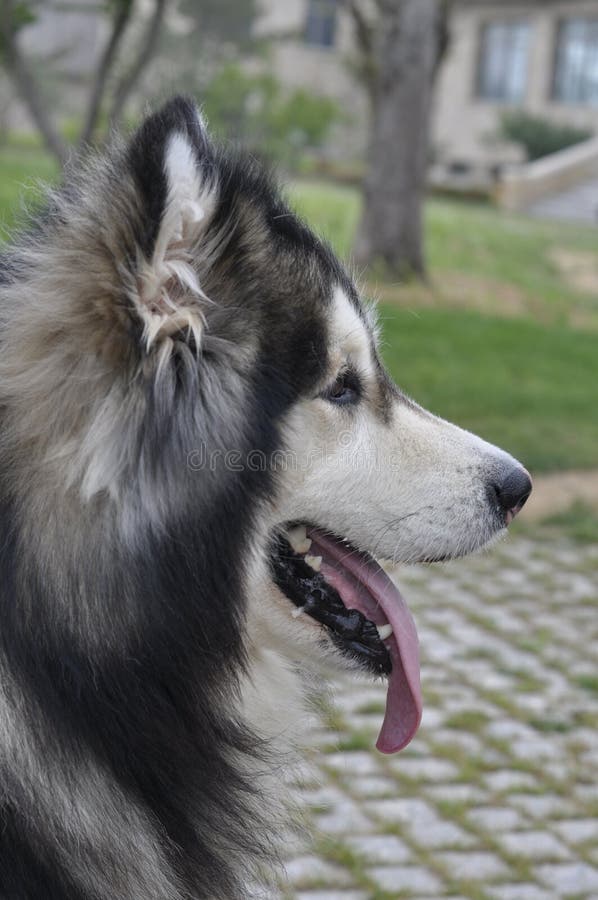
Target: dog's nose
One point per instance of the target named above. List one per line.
(512, 490)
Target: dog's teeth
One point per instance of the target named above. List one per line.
(314, 561)
(297, 612)
(298, 539)
(384, 631)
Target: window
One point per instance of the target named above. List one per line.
(320, 26)
(576, 70)
(502, 72)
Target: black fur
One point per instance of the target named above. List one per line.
(121, 658)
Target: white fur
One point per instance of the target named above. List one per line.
(411, 488)
(168, 297)
(169, 293)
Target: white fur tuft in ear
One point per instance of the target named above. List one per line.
(169, 294)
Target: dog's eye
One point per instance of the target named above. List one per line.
(345, 390)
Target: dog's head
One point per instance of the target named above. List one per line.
(206, 352)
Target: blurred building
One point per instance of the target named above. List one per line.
(70, 35)
(539, 55)
(536, 55)
(314, 47)
(63, 46)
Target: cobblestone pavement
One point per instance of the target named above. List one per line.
(497, 797)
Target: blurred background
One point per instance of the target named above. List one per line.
(448, 150)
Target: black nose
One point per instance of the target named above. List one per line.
(512, 490)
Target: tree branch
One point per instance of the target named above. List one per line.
(443, 33)
(25, 82)
(364, 29)
(146, 51)
(122, 15)
(365, 35)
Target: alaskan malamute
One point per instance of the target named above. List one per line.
(202, 456)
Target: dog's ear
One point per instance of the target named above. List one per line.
(172, 163)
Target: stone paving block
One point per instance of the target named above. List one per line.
(519, 891)
(541, 806)
(577, 831)
(473, 866)
(535, 748)
(509, 730)
(580, 587)
(343, 818)
(586, 736)
(586, 793)
(360, 698)
(427, 769)
(405, 878)
(494, 681)
(323, 740)
(332, 895)
(561, 771)
(307, 870)
(590, 758)
(495, 759)
(432, 718)
(469, 704)
(374, 786)
(439, 651)
(457, 793)
(570, 878)
(509, 779)
(534, 845)
(367, 723)
(435, 897)
(496, 818)
(439, 834)
(354, 763)
(402, 810)
(462, 740)
(380, 848)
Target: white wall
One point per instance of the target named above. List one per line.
(463, 123)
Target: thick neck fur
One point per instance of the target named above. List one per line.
(126, 648)
(126, 768)
(120, 698)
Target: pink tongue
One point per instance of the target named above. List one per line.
(363, 585)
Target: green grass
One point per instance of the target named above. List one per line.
(511, 249)
(588, 682)
(332, 209)
(580, 521)
(508, 350)
(523, 378)
(504, 251)
(22, 166)
(522, 385)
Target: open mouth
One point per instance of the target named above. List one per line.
(349, 594)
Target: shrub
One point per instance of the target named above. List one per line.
(539, 136)
(255, 110)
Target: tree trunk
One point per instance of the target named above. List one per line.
(390, 232)
(25, 82)
(122, 15)
(144, 56)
